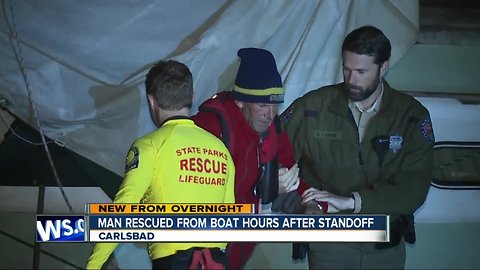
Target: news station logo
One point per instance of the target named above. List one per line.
(60, 228)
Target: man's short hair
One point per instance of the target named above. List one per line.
(368, 40)
(171, 84)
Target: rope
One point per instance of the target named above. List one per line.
(32, 104)
(57, 142)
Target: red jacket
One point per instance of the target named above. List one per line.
(243, 143)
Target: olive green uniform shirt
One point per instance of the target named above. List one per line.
(332, 158)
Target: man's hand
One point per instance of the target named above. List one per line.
(288, 179)
(335, 203)
(313, 208)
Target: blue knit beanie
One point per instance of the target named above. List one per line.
(258, 80)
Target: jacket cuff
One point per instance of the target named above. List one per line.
(357, 199)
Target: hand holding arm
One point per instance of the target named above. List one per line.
(335, 203)
(288, 179)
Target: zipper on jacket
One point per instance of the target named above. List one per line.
(260, 143)
(261, 168)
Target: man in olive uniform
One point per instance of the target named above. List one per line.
(367, 148)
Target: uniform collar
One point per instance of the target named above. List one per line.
(375, 106)
(173, 118)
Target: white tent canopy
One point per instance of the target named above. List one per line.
(85, 61)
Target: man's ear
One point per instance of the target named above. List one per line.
(239, 103)
(154, 110)
(152, 103)
(384, 68)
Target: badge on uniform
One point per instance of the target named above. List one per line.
(132, 159)
(427, 130)
(395, 143)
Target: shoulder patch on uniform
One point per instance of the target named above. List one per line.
(132, 159)
(427, 130)
(286, 114)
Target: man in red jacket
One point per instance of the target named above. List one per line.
(246, 120)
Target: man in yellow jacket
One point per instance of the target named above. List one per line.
(177, 163)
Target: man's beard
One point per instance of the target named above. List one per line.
(364, 93)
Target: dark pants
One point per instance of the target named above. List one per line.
(182, 259)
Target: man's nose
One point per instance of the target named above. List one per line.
(349, 78)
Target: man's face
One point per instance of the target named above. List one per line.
(361, 75)
(258, 115)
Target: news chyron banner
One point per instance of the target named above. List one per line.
(165, 208)
(74, 228)
(210, 223)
